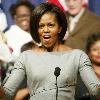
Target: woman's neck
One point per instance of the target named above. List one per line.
(56, 48)
(52, 48)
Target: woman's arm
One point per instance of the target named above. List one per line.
(15, 78)
(88, 75)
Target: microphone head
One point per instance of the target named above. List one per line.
(57, 71)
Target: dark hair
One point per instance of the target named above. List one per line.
(27, 4)
(91, 40)
(27, 46)
(46, 8)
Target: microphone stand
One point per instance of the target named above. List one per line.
(56, 89)
(57, 73)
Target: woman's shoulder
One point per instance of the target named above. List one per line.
(69, 49)
(75, 52)
(64, 48)
(26, 53)
(24, 56)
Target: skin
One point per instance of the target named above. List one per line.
(22, 17)
(74, 6)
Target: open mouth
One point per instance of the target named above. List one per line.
(47, 37)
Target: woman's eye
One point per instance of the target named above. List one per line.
(51, 25)
(41, 26)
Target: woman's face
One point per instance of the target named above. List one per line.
(94, 53)
(48, 30)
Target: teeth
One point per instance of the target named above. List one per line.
(46, 36)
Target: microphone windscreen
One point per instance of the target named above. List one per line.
(57, 71)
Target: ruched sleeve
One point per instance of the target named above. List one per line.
(87, 74)
(16, 77)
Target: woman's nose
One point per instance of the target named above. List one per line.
(46, 29)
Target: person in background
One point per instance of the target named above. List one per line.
(3, 38)
(6, 5)
(19, 33)
(81, 23)
(5, 56)
(27, 46)
(93, 51)
(3, 21)
(40, 65)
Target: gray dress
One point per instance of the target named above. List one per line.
(39, 68)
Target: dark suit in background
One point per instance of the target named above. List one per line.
(87, 24)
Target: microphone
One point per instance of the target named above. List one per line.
(57, 73)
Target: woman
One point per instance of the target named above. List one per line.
(93, 50)
(51, 69)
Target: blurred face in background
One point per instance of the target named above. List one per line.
(94, 53)
(74, 6)
(22, 17)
